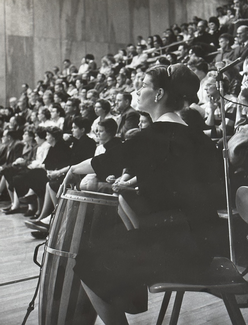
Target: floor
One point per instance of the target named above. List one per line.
(18, 279)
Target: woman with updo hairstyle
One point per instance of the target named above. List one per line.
(176, 226)
(44, 116)
(87, 110)
(150, 42)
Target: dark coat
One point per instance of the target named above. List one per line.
(237, 53)
(58, 156)
(82, 149)
(14, 151)
(68, 123)
(129, 120)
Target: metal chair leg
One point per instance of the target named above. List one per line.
(233, 309)
(163, 307)
(176, 308)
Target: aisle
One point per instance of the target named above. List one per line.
(16, 258)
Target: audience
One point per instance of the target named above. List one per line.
(66, 96)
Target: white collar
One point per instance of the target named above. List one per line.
(171, 117)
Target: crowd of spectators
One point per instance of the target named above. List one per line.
(63, 120)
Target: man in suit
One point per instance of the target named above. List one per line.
(129, 118)
(72, 110)
(11, 153)
(14, 147)
(242, 37)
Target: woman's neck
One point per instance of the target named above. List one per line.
(159, 111)
(172, 117)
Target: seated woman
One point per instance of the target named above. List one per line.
(178, 175)
(20, 183)
(106, 134)
(82, 148)
(126, 179)
(107, 131)
(102, 110)
(44, 117)
(58, 156)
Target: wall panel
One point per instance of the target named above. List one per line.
(2, 70)
(19, 17)
(46, 55)
(98, 51)
(141, 19)
(96, 21)
(159, 16)
(20, 68)
(2, 56)
(119, 21)
(47, 19)
(71, 19)
(74, 50)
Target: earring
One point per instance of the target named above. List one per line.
(156, 99)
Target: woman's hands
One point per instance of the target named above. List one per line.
(70, 179)
(120, 185)
(19, 162)
(214, 104)
(52, 174)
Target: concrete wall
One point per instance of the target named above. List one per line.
(35, 35)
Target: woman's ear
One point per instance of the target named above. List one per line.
(160, 94)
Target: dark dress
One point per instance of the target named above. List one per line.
(57, 158)
(178, 174)
(81, 149)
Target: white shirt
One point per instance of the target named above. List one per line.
(41, 154)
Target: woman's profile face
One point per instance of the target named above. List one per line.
(50, 139)
(76, 131)
(143, 122)
(38, 140)
(26, 137)
(98, 110)
(54, 113)
(146, 95)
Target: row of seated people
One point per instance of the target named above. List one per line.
(208, 107)
(33, 169)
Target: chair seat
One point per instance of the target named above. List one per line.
(221, 279)
(221, 276)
